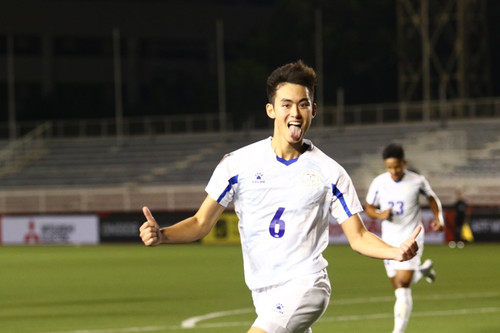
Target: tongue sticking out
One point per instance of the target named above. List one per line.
(295, 132)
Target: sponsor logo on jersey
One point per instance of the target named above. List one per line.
(259, 178)
(279, 308)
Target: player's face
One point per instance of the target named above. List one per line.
(396, 167)
(292, 111)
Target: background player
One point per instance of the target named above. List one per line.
(461, 212)
(393, 197)
(285, 192)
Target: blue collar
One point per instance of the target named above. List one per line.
(286, 162)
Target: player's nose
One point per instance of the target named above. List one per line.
(294, 111)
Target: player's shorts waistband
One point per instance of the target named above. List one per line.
(321, 273)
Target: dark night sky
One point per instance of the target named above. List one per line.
(359, 49)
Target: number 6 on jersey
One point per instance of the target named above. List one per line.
(277, 226)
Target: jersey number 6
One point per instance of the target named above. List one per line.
(277, 226)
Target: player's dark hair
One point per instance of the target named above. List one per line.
(393, 150)
(295, 72)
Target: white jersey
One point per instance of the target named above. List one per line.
(284, 208)
(403, 198)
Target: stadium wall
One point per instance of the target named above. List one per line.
(118, 227)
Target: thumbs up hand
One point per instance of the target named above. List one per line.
(408, 249)
(150, 232)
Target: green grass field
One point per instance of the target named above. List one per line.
(131, 288)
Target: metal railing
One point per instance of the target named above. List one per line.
(340, 115)
(401, 112)
(22, 151)
(124, 197)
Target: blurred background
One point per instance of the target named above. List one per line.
(109, 105)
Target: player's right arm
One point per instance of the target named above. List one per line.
(372, 204)
(375, 213)
(185, 231)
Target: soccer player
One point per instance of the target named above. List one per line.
(393, 197)
(285, 193)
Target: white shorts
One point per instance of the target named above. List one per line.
(292, 307)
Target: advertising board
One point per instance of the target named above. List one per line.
(49, 229)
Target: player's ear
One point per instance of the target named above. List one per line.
(314, 110)
(270, 111)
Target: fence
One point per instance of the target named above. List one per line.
(340, 115)
(126, 197)
(24, 150)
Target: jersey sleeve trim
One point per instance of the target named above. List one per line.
(375, 198)
(340, 196)
(233, 180)
(424, 193)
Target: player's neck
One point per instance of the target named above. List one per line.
(286, 150)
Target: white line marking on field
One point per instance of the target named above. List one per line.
(191, 322)
(124, 330)
(194, 322)
(415, 297)
(454, 312)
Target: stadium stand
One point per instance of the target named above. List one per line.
(463, 154)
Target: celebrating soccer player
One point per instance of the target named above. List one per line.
(285, 191)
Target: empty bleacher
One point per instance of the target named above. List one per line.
(456, 155)
(103, 161)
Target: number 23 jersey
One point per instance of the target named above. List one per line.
(284, 208)
(402, 197)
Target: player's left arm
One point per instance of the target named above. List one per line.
(435, 205)
(368, 244)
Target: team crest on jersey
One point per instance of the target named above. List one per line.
(259, 178)
(310, 178)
